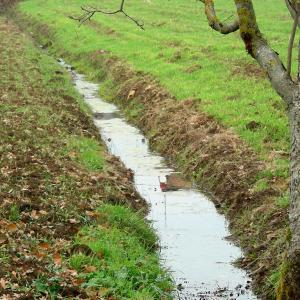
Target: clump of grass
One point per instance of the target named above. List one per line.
(14, 213)
(274, 280)
(283, 201)
(123, 264)
(261, 185)
(88, 152)
(122, 218)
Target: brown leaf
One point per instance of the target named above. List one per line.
(57, 259)
(40, 255)
(77, 281)
(44, 246)
(92, 213)
(131, 94)
(90, 269)
(3, 283)
(12, 227)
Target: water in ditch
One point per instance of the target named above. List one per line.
(192, 233)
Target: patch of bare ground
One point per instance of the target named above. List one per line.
(216, 159)
(248, 70)
(45, 195)
(6, 4)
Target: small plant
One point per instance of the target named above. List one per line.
(283, 201)
(88, 152)
(14, 213)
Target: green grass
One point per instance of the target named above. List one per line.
(283, 201)
(133, 224)
(88, 152)
(120, 232)
(177, 39)
(14, 213)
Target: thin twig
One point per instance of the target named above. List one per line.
(291, 43)
(90, 11)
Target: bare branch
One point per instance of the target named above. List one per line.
(292, 7)
(291, 43)
(90, 11)
(214, 22)
(259, 49)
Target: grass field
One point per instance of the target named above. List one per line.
(186, 56)
(60, 237)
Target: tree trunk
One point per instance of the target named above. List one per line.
(290, 287)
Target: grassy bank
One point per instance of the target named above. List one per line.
(202, 101)
(71, 224)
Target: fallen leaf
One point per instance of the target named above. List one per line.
(45, 246)
(34, 215)
(12, 227)
(92, 214)
(40, 255)
(73, 221)
(72, 272)
(131, 94)
(77, 281)
(3, 283)
(57, 259)
(90, 269)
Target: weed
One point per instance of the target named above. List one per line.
(88, 152)
(14, 213)
(283, 201)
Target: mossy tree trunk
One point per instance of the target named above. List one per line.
(291, 283)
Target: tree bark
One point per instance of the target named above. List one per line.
(291, 285)
(258, 47)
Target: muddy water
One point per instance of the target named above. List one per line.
(192, 233)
